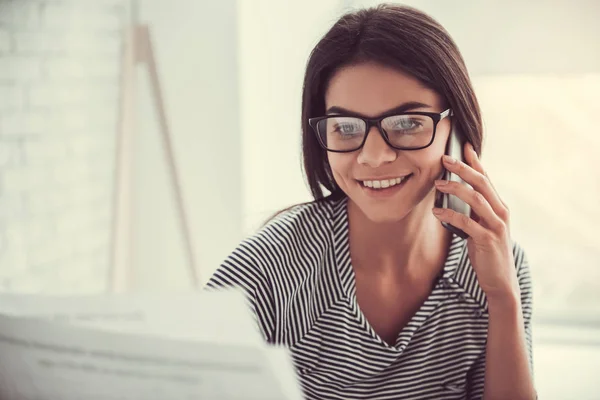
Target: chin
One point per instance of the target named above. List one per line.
(391, 210)
(383, 213)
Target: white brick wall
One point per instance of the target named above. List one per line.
(59, 70)
(19, 69)
(5, 43)
(60, 43)
(25, 14)
(12, 98)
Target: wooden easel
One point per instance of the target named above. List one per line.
(137, 50)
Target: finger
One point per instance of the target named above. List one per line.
(475, 162)
(463, 222)
(478, 181)
(478, 203)
(472, 158)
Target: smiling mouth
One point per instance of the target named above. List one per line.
(380, 185)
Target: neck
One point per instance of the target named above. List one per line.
(412, 248)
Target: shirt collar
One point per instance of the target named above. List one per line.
(457, 272)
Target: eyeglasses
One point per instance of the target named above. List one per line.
(405, 131)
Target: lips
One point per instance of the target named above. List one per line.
(384, 192)
(383, 183)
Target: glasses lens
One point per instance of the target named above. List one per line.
(341, 133)
(408, 130)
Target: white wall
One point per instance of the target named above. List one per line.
(58, 90)
(275, 39)
(59, 70)
(196, 49)
(513, 36)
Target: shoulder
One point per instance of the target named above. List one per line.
(303, 222)
(467, 278)
(521, 260)
(524, 278)
(275, 260)
(277, 243)
(522, 267)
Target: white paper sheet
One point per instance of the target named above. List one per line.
(188, 346)
(221, 316)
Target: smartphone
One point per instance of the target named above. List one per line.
(454, 148)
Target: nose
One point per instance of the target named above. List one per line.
(376, 151)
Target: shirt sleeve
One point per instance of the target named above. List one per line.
(244, 269)
(476, 375)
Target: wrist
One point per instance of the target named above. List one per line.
(508, 302)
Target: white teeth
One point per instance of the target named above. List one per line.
(383, 184)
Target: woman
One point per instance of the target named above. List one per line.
(372, 295)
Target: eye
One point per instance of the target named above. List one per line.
(347, 128)
(409, 124)
(404, 124)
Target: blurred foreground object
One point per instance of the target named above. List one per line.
(138, 347)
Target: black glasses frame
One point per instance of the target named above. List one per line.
(371, 122)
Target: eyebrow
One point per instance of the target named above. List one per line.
(411, 105)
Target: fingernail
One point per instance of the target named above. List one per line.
(449, 160)
(441, 182)
(438, 211)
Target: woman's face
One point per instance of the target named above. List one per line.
(372, 90)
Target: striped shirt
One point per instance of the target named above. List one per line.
(297, 274)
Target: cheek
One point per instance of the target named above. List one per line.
(435, 152)
(429, 157)
(429, 162)
(341, 166)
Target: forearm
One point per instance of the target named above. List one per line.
(507, 372)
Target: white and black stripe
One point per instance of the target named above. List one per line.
(298, 277)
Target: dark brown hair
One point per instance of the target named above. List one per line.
(394, 36)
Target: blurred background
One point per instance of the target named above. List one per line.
(79, 124)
